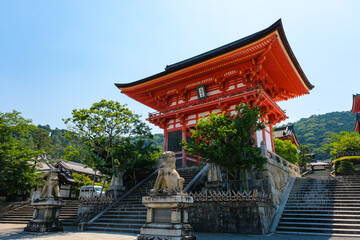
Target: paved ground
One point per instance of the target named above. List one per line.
(14, 231)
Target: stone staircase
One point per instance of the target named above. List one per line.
(129, 214)
(328, 206)
(23, 215)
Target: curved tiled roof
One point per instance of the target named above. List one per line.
(225, 49)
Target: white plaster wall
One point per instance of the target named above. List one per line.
(268, 141)
(259, 138)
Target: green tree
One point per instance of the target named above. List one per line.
(345, 141)
(287, 150)
(227, 140)
(41, 139)
(106, 129)
(304, 156)
(139, 156)
(18, 173)
(346, 167)
(80, 180)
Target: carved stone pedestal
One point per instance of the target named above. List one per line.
(116, 186)
(118, 189)
(214, 180)
(46, 216)
(167, 218)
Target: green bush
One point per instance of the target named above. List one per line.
(345, 165)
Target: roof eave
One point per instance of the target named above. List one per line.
(277, 26)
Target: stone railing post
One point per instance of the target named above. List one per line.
(263, 149)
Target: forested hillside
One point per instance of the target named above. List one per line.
(315, 131)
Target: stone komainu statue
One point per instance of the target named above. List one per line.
(51, 187)
(168, 179)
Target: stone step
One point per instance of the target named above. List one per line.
(315, 207)
(320, 215)
(320, 220)
(119, 210)
(335, 197)
(127, 216)
(320, 234)
(16, 216)
(129, 204)
(321, 211)
(15, 221)
(339, 231)
(315, 189)
(320, 225)
(122, 220)
(110, 229)
(130, 214)
(322, 204)
(124, 213)
(324, 200)
(24, 214)
(320, 193)
(136, 226)
(309, 185)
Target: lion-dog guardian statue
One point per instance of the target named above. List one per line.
(168, 179)
(167, 216)
(51, 188)
(47, 208)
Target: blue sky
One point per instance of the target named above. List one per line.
(56, 56)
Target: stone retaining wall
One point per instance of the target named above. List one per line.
(275, 176)
(231, 217)
(88, 211)
(249, 217)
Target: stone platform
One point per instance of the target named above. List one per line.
(167, 218)
(46, 216)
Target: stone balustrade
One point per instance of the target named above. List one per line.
(230, 196)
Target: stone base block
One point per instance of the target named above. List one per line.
(168, 231)
(46, 216)
(119, 191)
(151, 237)
(44, 226)
(167, 218)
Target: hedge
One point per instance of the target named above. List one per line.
(353, 159)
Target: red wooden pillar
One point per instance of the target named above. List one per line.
(272, 138)
(183, 138)
(165, 143)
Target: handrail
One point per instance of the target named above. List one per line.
(281, 207)
(122, 197)
(194, 180)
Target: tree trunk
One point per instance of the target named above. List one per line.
(93, 185)
(113, 169)
(134, 177)
(102, 189)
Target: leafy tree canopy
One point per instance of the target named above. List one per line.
(346, 167)
(286, 149)
(345, 141)
(226, 139)
(17, 157)
(106, 129)
(304, 156)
